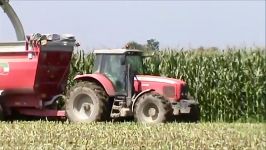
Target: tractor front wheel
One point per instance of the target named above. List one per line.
(87, 102)
(194, 115)
(152, 108)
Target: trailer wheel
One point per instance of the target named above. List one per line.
(87, 102)
(152, 108)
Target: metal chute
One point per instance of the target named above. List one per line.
(14, 19)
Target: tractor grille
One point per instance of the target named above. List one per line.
(169, 91)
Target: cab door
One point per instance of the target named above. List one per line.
(114, 71)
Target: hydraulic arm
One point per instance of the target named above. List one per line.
(14, 19)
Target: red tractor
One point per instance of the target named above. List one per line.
(33, 71)
(117, 88)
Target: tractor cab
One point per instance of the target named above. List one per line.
(115, 63)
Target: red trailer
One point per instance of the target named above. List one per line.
(33, 71)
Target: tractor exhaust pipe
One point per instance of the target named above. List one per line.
(14, 19)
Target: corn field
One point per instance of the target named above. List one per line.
(229, 85)
(41, 135)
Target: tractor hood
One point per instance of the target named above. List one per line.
(169, 87)
(159, 79)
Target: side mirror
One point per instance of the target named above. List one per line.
(123, 60)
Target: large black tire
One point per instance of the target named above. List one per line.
(87, 102)
(152, 108)
(194, 115)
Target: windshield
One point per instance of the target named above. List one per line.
(112, 68)
(136, 63)
(110, 65)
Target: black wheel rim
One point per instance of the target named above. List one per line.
(83, 106)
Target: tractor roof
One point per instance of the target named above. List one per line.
(115, 51)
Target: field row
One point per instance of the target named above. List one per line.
(55, 135)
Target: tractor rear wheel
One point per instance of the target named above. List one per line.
(152, 108)
(87, 102)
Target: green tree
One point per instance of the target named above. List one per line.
(152, 44)
(134, 45)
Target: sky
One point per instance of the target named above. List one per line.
(175, 24)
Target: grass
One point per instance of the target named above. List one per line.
(129, 135)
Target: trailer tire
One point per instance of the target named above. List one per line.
(152, 108)
(87, 102)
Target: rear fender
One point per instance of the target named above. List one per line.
(100, 79)
(138, 96)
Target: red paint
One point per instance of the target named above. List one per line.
(31, 81)
(21, 71)
(51, 73)
(23, 100)
(137, 85)
(157, 83)
(103, 80)
(42, 112)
